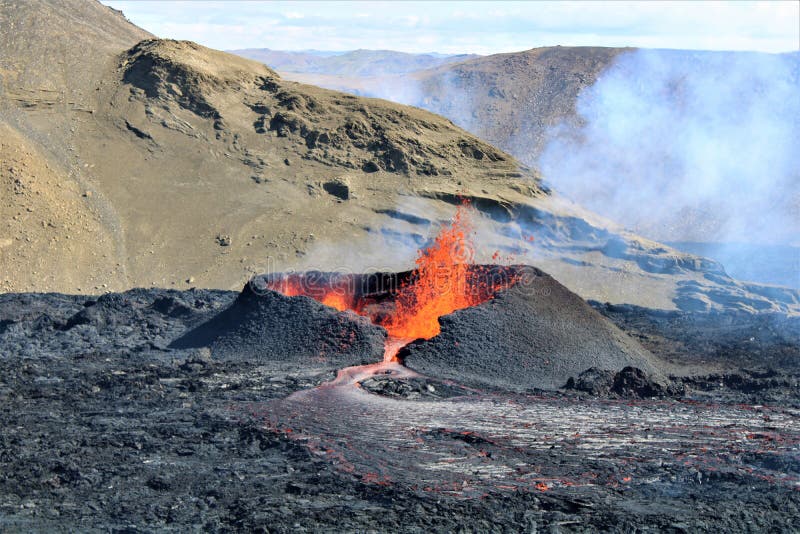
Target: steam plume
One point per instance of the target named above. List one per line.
(688, 146)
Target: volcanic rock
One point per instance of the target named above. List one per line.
(105, 429)
(740, 339)
(630, 382)
(262, 325)
(339, 188)
(413, 388)
(633, 382)
(537, 334)
(43, 326)
(593, 381)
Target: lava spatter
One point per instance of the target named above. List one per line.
(445, 279)
(441, 283)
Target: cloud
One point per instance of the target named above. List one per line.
(475, 27)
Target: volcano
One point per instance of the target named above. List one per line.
(511, 327)
(522, 331)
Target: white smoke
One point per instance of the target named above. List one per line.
(688, 146)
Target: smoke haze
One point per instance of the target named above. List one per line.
(687, 146)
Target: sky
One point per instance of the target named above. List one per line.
(471, 27)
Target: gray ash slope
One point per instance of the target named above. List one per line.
(265, 325)
(536, 334)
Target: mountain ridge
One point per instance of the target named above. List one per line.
(193, 167)
(361, 62)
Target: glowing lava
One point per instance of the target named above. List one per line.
(444, 280)
(336, 300)
(440, 284)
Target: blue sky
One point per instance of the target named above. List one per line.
(471, 27)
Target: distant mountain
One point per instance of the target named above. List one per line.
(512, 99)
(360, 63)
(508, 99)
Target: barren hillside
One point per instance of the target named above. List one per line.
(511, 99)
(508, 99)
(186, 166)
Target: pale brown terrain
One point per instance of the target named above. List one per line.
(50, 223)
(193, 167)
(524, 102)
(508, 99)
(512, 99)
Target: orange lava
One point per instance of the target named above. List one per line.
(392, 347)
(441, 283)
(444, 280)
(336, 300)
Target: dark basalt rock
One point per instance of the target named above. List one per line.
(50, 325)
(413, 388)
(338, 188)
(630, 382)
(104, 428)
(535, 335)
(593, 381)
(633, 382)
(739, 339)
(263, 325)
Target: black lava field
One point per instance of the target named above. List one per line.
(155, 410)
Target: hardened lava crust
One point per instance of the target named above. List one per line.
(534, 335)
(138, 411)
